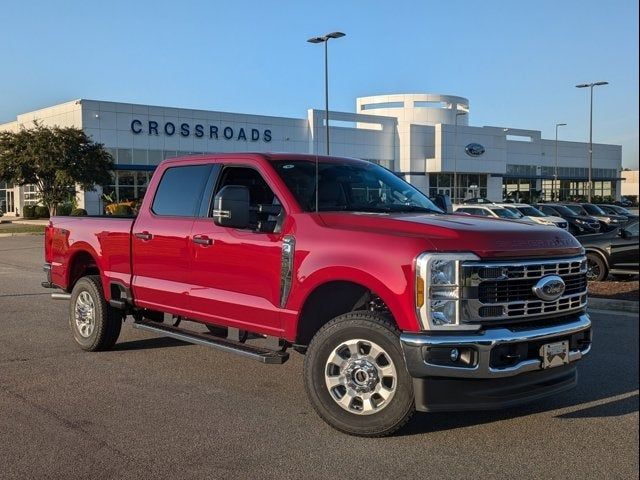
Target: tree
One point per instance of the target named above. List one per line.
(56, 159)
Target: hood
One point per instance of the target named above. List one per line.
(486, 237)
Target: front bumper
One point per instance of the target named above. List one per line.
(481, 377)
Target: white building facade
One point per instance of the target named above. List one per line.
(424, 138)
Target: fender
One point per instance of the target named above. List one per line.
(396, 293)
(76, 249)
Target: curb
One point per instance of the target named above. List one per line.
(19, 234)
(610, 304)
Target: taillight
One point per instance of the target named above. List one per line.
(48, 243)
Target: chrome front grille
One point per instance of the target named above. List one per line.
(504, 290)
(522, 289)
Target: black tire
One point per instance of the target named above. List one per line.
(107, 321)
(597, 270)
(370, 327)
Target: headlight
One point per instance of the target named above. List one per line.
(607, 219)
(438, 290)
(581, 222)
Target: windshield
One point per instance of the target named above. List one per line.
(576, 209)
(620, 210)
(505, 213)
(531, 212)
(564, 210)
(352, 187)
(593, 209)
(515, 211)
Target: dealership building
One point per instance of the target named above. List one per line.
(422, 137)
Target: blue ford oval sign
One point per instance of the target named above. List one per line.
(474, 149)
(549, 288)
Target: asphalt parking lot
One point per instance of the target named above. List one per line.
(159, 408)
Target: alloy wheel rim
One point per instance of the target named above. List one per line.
(360, 376)
(85, 316)
(593, 270)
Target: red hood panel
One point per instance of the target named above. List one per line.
(486, 237)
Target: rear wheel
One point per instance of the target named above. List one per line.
(94, 323)
(355, 375)
(597, 270)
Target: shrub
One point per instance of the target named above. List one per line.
(42, 212)
(29, 211)
(78, 212)
(123, 211)
(64, 209)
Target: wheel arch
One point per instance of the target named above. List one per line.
(333, 297)
(81, 262)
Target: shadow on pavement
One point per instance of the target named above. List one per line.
(609, 371)
(147, 343)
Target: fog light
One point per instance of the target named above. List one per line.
(454, 354)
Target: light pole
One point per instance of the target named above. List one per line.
(555, 171)
(455, 158)
(591, 85)
(325, 39)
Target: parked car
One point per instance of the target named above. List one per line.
(614, 252)
(476, 200)
(490, 210)
(618, 210)
(396, 306)
(578, 224)
(535, 215)
(607, 221)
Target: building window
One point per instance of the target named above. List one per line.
(469, 185)
(127, 185)
(31, 195)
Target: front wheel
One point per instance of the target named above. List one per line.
(355, 375)
(94, 323)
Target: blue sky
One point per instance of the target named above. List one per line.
(516, 61)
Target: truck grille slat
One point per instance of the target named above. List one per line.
(505, 289)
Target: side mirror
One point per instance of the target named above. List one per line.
(624, 233)
(231, 207)
(443, 202)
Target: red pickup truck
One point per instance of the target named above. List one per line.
(396, 305)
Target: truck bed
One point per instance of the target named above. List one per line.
(107, 239)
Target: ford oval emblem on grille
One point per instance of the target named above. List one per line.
(474, 149)
(549, 288)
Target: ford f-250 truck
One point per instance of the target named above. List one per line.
(396, 306)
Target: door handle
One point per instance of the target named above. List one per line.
(144, 235)
(202, 240)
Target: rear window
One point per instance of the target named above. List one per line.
(180, 191)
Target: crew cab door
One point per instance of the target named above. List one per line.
(235, 273)
(624, 249)
(161, 242)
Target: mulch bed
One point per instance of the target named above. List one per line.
(615, 290)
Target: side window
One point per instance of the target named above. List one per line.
(180, 191)
(633, 229)
(266, 212)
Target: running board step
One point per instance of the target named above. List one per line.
(261, 354)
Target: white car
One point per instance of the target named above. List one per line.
(490, 210)
(535, 215)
